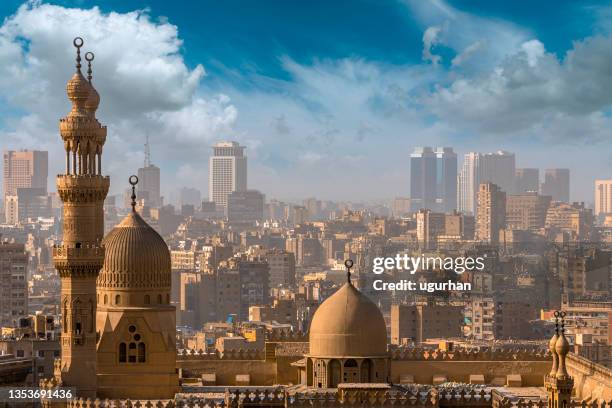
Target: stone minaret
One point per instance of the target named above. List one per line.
(559, 384)
(80, 256)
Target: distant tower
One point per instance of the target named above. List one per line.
(149, 176)
(422, 179)
(558, 382)
(228, 172)
(80, 256)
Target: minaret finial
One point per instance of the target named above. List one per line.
(78, 43)
(133, 181)
(557, 314)
(89, 56)
(349, 264)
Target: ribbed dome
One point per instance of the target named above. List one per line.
(136, 256)
(78, 89)
(348, 324)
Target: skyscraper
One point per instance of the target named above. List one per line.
(422, 178)
(527, 180)
(227, 173)
(25, 185)
(149, 180)
(498, 168)
(25, 169)
(446, 179)
(603, 197)
(491, 213)
(14, 291)
(557, 184)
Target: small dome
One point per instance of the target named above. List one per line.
(78, 89)
(93, 101)
(348, 324)
(136, 257)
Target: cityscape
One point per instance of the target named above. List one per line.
(479, 283)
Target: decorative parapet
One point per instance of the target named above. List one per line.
(189, 355)
(107, 403)
(522, 403)
(462, 398)
(279, 337)
(419, 354)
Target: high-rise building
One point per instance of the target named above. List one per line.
(446, 179)
(603, 197)
(25, 185)
(149, 181)
(491, 213)
(245, 206)
(14, 287)
(227, 173)
(557, 184)
(527, 180)
(498, 168)
(422, 178)
(282, 268)
(190, 196)
(25, 169)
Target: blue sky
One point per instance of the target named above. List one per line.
(324, 94)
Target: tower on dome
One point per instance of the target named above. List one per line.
(348, 341)
(136, 322)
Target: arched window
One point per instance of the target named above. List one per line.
(141, 352)
(147, 300)
(167, 298)
(122, 353)
(159, 299)
(105, 299)
(132, 353)
(117, 299)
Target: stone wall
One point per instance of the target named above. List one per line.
(591, 381)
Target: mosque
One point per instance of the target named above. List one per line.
(118, 340)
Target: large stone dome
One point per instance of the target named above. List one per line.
(136, 257)
(348, 324)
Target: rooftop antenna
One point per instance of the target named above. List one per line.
(147, 160)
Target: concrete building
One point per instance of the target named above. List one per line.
(430, 225)
(603, 197)
(282, 268)
(491, 214)
(527, 180)
(422, 321)
(13, 283)
(557, 184)
(227, 173)
(245, 206)
(526, 211)
(25, 169)
(573, 219)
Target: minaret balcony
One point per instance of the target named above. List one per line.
(66, 257)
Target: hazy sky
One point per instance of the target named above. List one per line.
(329, 97)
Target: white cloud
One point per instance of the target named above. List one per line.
(145, 85)
(533, 91)
(430, 39)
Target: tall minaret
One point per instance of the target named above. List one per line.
(80, 256)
